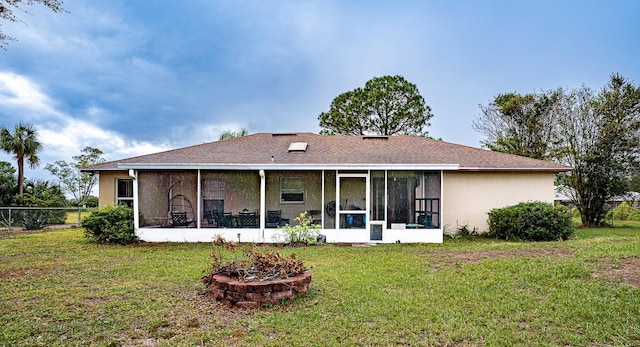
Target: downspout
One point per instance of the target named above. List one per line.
(136, 206)
(263, 203)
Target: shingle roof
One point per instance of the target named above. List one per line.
(258, 149)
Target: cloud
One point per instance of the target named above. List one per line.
(19, 93)
(63, 136)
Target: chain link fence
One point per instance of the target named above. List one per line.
(30, 218)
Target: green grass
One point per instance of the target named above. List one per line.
(58, 289)
(72, 216)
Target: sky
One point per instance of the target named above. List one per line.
(133, 77)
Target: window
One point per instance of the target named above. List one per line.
(292, 190)
(124, 192)
(213, 194)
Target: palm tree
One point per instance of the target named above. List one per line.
(229, 134)
(23, 144)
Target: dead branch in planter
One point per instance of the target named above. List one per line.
(256, 266)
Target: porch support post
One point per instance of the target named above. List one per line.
(199, 202)
(441, 206)
(136, 204)
(322, 202)
(337, 214)
(263, 203)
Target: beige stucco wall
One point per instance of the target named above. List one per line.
(107, 186)
(468, 196)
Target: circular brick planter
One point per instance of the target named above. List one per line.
(254, 294)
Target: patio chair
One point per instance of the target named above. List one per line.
(210, 217)
(247, 220)
(224, 220)
(179, 219)
(274, 219)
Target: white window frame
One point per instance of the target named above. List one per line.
(119, 198)
(285, 190)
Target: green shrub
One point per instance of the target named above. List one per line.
(110, 224)
(535, 221)
(634, 216)
(304, 233)
(91, 202)
(575, 212)
(622, 211)
(33, 221)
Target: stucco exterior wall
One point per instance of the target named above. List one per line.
(107, 186)
(468, 196)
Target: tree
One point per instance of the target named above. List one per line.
(599, 140)
(229, 134)
(596, 134)
(7, 8)
(78, 183)
(8, 183)
(41, 193)
(387, 105)
(23, 144)
(519, 124)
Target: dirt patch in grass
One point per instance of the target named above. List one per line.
(626, 270)
(17, 232)
(24, 272)
(447, 259)
(194, 312)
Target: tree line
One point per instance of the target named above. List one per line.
(596, 133)
(23, 144)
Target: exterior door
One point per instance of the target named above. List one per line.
(352, 201)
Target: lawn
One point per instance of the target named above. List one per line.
(58, 289)
(72, 216)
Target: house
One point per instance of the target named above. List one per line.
(358, 188)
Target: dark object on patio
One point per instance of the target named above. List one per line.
(224, 220)
(178, 205)
(274, 219)
(213, 218)
(179, 219)
(247, 220)
(331, 209)
(209, 216)
(425, 219)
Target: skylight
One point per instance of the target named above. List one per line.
(298, 147)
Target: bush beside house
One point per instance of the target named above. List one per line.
(534, 221)
(110, 224)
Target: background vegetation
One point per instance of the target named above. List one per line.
(594, 133)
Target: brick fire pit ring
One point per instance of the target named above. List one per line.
(254, 294)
